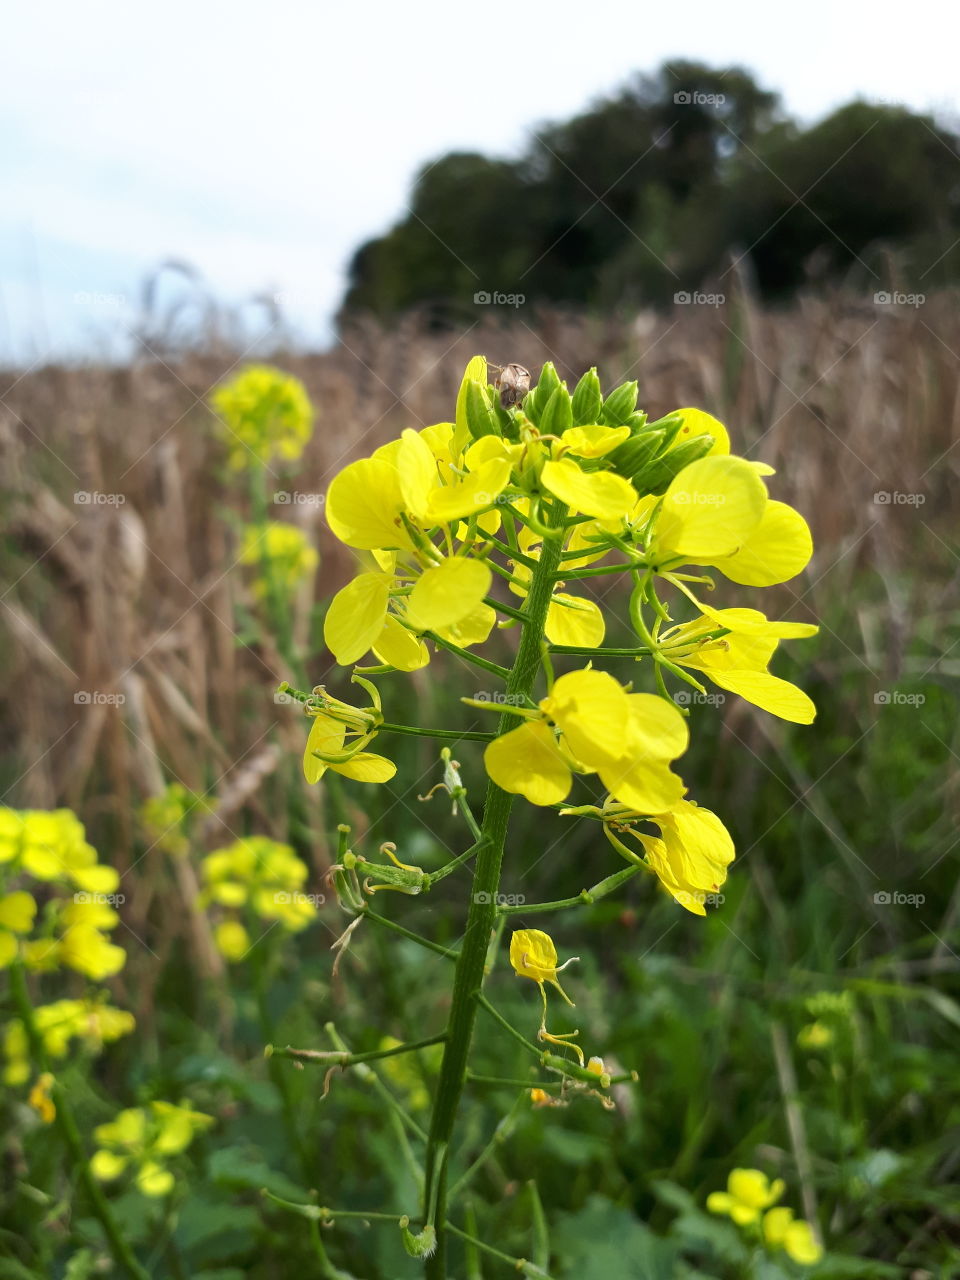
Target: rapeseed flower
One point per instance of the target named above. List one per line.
(264, 414)
(143, 1140)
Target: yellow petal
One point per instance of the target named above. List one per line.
(800, 1244)
(417, 471)
(777, 550)
(710, 509)
(533, 955)
(597, 493)
(698, 844)
(448, 593)
(326, 736)
(17, 911)
(660, 863)
(647, 785)
(365, 766)
(399, 647)
(527, 762)
(657, 729)
(107, 1165)
(364, 503)
(769, 692)
(593, 441)
(464, 497)
(573, 620)
(232, 939)
(593, 711)
(8, 948)
(155, 1181)
(473, 629)
(698, 423)
(356, 615)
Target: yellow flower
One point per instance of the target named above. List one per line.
(39, 1098)
(602, 494)
(782, 1230)
(534, 956)
(738, 662)
(261, 874)
(627, 739)
(232, 939)
(281, 552)
(749, 1192)
(89, 1021)
(339, 736)
(264, 414)
(143, 1140)
(16, 916)
(690, 857)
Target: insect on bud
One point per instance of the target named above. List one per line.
(513, 383)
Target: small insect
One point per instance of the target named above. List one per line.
(513, 383)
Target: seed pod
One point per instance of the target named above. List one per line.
(514, 383)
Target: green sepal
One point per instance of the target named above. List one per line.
(420, 1246)
(620, 404)
(587, 400)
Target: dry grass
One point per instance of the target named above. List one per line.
(142, 599)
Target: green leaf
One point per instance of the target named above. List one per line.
(235, 1167)
(606, 1242)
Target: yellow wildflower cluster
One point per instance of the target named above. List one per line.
(748, 1200)
(142, 1141)
(51, 847)
(439, 512)
(61, 1025)
(264, 414)
(257, 877)
(281, 552)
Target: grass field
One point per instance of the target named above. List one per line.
(808, 1027)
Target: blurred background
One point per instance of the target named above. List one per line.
(754, 212)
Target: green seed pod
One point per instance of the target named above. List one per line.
(587, 400)
(422, 1245)
(620, 404)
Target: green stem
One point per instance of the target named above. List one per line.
(482, 917)
(416, 732)
(343, 1058)
(497, 1016)
(484, 663)
(408, 933)
(70, 1133)
(584, 897)
(582, 651)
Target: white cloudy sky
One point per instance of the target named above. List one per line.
(263, 142)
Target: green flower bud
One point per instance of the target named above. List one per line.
(557, 417)
(655, 477)
(421, 1246)
(481, 419)
(587, 400)
(620, 404)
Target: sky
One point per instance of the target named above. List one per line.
(260, 144)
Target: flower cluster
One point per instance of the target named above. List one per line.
(439, 513)
(72, 930)
(143, 1140)
(281, 552)
(62, 1025)
(264, 414)
(749, 1200)
(256, 877)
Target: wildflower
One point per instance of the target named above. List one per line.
(39, 1098)
(90, 1022)
(259, 874)
(168, 816)
(17, 911)
(738, 661)
(690, 857)
(627, 739)
(793, 1235)
(815, 1035)
(282, 553)
(143, 1140)
(749, 1192)
(51, 845)
(534, 955)
(265, 414)
(339, 735)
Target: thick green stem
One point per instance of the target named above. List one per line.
(481, 919)
(67, 1128)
